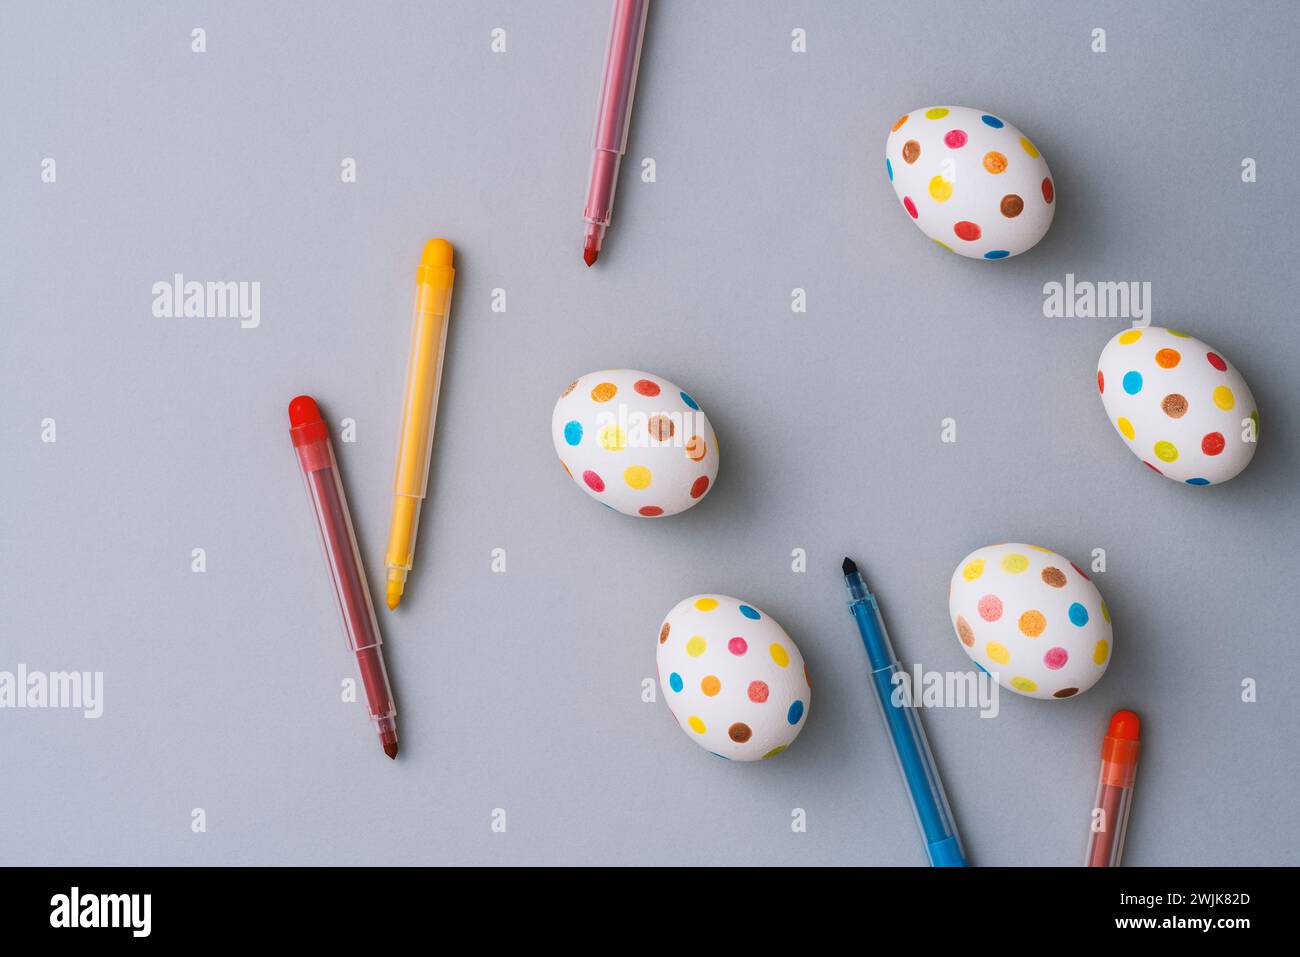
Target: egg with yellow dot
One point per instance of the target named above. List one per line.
(970, 181)
(1178, 404)
(734, 681)
(635, 442)
(1031, 619)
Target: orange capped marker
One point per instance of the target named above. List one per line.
(1110, 810)
(433, 281)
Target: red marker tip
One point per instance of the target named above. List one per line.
(590, 254)
(303, 409)
(390, 749)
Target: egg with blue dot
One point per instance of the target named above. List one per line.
(970, 181)
(635, 442)
(734, 681)
(1031, 619)
(1181, 407)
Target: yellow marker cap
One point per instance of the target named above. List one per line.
(435, 262)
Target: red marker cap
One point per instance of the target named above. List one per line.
(1124, 724)
(1119, 749)
(305, 422)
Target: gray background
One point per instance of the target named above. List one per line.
(522, 691)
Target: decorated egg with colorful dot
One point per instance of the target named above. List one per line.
(635, 442)
(733, 679)
(1178, 404)
(1031, 619)
(970, 181)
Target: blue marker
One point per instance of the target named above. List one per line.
(912, 751)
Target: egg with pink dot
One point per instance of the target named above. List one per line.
(1032, 619)
(970, 180)
(635, 442)
(733, 679)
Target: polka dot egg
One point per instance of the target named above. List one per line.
(635, 442)
(1031, 619)
(1178, 404)
(970, 181)
(732, 677)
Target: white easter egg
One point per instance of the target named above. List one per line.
(635, 442)
(732, 677)
(1178, 404)
(970, 180)
(1031, 619)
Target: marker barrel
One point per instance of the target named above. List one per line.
(311, 442)
(613, 113)
(912, 752)
(1114, 798)
(434, 279)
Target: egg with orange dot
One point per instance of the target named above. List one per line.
(635, 442)
(1178, 404)
(733, 679)
(1031, 619)
(971, 181)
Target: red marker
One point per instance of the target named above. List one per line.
(612, 116)
(311, 440)
(1119, 757)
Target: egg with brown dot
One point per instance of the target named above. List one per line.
(970, 181)
(622, 436)
(1164, 391)
(730, 666)
(1033, 625)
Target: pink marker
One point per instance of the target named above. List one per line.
(612, 118)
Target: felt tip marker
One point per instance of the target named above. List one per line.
(911, 749)
(311, 442)
(613, 113)
(434, 278)
(1114, 800)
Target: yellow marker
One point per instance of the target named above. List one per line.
(433, 282)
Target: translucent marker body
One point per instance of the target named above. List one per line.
(613, 113)
(911, 748)
(311, 441)
(433, 282)
(1110, 809)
